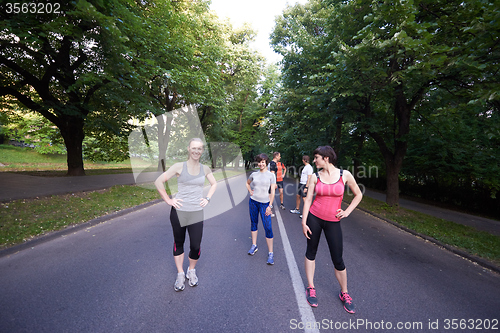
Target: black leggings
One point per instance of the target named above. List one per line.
(333, 234)
(195, 234)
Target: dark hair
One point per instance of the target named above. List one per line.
(306, 158)
(261, 157)
(326, 151)
(276, 153)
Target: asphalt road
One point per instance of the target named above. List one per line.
(118, 276)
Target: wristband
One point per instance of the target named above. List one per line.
(208, 199)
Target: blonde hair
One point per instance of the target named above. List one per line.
(196, 139)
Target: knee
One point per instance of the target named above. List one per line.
(269, 233)
(311, 254)
(339, 266)
(195, 253)
(178, 249)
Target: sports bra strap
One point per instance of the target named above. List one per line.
(341, 173)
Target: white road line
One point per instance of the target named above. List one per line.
(306, 313)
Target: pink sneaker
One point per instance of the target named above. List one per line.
(311, 297)
(347, 300)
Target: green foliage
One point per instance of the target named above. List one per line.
(34, 130)
(359, 72)
(93, 67)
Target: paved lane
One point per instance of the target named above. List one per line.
(118, 277)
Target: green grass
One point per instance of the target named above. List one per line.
(21, 220)
(28, 161)
(466, 238)
(24, 219)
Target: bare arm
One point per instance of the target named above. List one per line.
(248, 186)
(174, 170)
(353, 185)
(213, 186)
(307, 183)
(311, 183)
(271, 199)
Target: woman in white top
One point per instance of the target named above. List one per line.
(261, 202)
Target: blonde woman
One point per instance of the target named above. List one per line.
(186, 213)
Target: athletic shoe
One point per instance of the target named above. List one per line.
(311, 297)
(282, 207)
(191, 276)
(300, 216)
(295, 211)
(272, 215)
(253, 249)
(347, 300)
(179, 283)
(270, 259)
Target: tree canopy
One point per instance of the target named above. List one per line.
(95, 65)
(379, 69)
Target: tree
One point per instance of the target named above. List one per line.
(242, 67)
(55, 64)
(92, 67)
(380, 59)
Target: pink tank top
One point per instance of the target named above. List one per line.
(328, 199)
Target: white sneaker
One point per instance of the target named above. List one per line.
(191, 276)
(179, 282)
(295, 211)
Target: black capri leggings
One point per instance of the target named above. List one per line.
(195, 234)
(333, 234)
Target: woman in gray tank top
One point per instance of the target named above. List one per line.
(186, 213)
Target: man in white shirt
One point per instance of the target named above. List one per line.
(304, 180)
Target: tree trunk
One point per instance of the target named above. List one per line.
(164, 127)
(394, 156)
(72, 132)
(392, 182)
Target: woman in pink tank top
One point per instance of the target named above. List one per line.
(324, 215)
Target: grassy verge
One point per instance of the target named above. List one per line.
(479, 243)
(28, 161)
(21, 220)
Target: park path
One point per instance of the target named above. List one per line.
(118, 276)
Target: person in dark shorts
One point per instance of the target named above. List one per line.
(305, 175)
(186, 213)
(279, 170)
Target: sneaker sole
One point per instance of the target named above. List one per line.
(348, 311)
(179, 289)
(270, 263)
(251, 254)
(193, 285)
(312, 305)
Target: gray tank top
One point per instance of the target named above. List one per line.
(190, 189)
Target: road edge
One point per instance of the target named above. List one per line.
(477, 260)
(40, 239)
